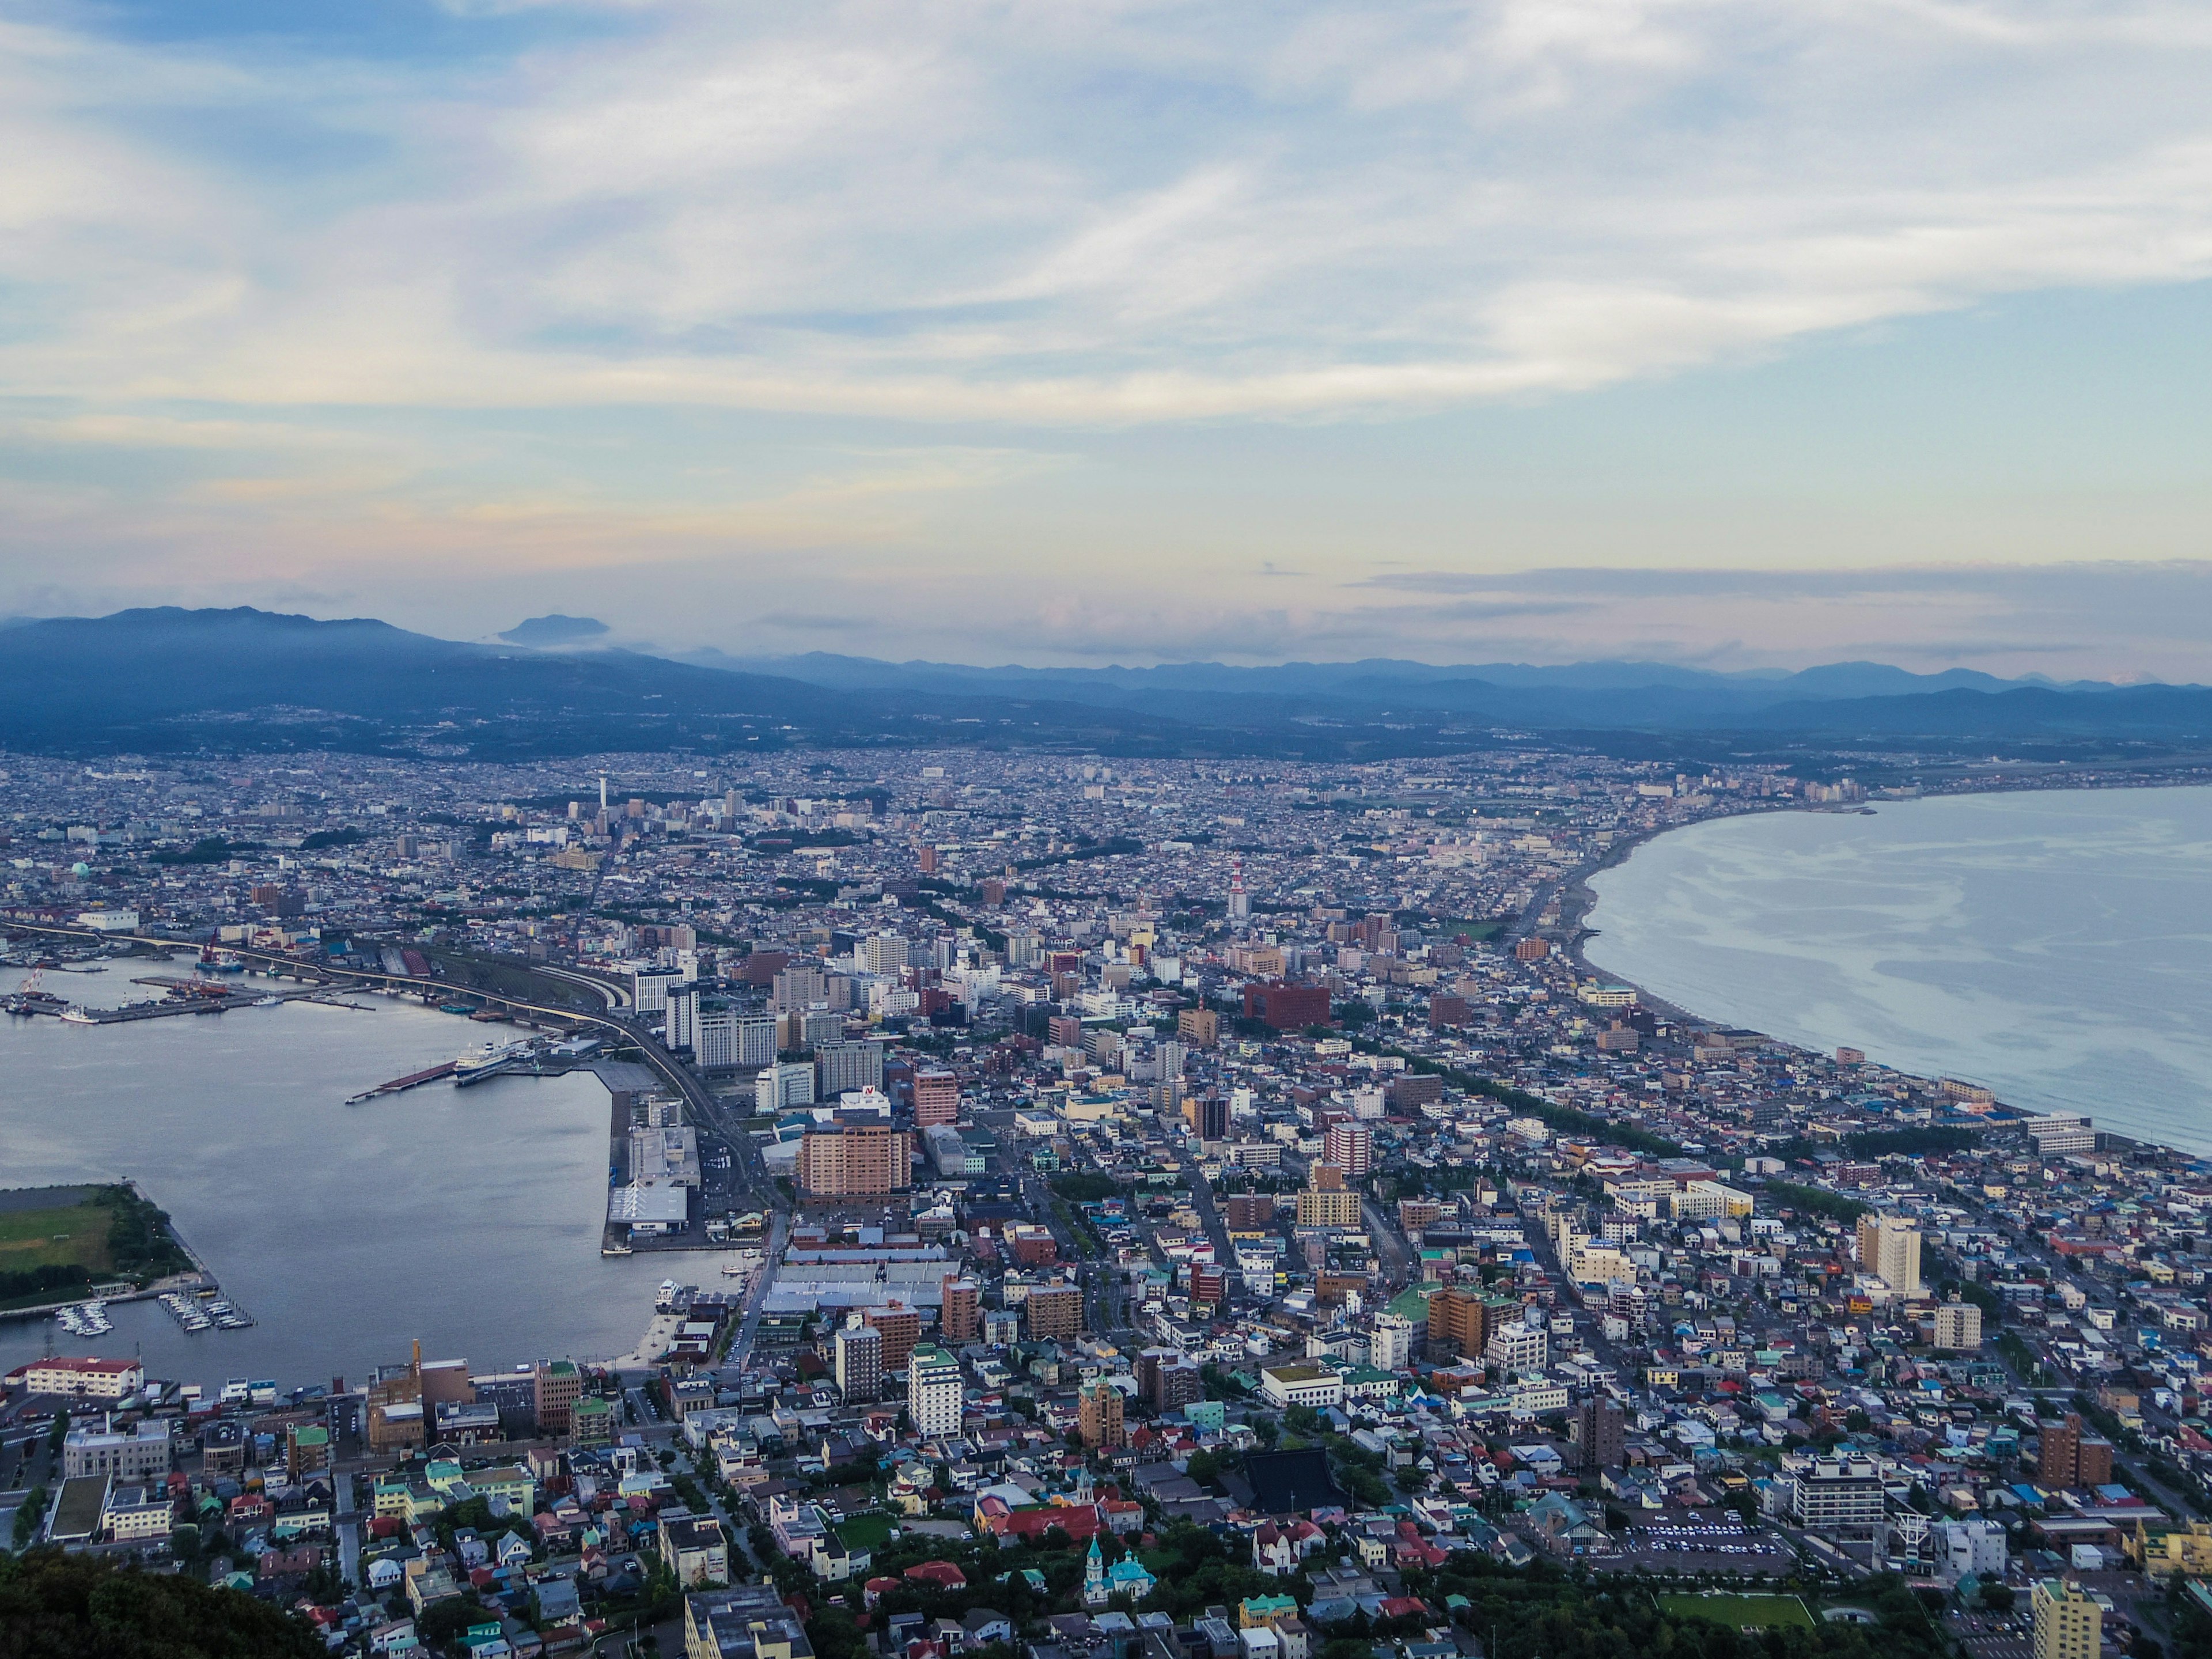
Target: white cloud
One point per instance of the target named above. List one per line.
(1082, 213)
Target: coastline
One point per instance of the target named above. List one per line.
(1576, 900)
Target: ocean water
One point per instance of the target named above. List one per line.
(2057, 946)
(468, 1217)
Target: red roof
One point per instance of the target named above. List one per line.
(943, 1574)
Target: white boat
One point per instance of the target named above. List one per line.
(491, 1053)
(78, 1014)
(666, 1298)
(268, 1002)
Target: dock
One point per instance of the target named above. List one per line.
(401, 1085)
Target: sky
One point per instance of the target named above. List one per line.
(1709, 332)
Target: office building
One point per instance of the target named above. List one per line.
(728, 1040)
(2067, 1624)
(860, 1359)
(797, 989)
(785, 1083)
(1889, 1246)
(681, 1005)
(845, 1067)
(130, 1456)
(932, 1391)
(854, 1159)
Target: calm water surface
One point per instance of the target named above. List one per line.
(469, 1219)
(2057, 946)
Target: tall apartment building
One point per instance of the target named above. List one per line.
(1328, 1202)
(855, 1159)
(559, 1385)
(1200, 1026)
(1958, 1327)
(1054, 1310)
(2069, 1624)
(932, 1391)
(1838, 1491)
(1890, 1245)
(1247, 1213)
(960, 1317)
(798, 987)
(887, 956)
(860, 1359)
(1521, 1347)
(1208, 1116)
(2069, 1458)
(1350, 1148)
(1391, 1343)
(936, 1098)
(900, 1328)
(1459, 1323)
(1168, 1379)
(681, 1004)
(1601, 1433)
(1098, 1415)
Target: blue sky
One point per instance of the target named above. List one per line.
(1082, 331)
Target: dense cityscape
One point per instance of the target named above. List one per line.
(1207, 1207)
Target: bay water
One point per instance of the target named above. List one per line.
(2056, 945)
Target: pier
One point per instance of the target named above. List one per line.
(401, 1085)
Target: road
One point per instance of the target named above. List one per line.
(778, 1235)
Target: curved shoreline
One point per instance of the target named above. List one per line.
(1578, 899)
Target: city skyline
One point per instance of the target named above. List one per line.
(1136, 333)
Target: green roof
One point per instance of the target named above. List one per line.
(1412, 1303)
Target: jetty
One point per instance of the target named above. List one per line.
(401, 1085)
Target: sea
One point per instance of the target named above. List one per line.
(467, 1218)
(2054, 946)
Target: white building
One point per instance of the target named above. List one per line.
(932, 1391)
(1519, 1348)
(1390, 1344)
(1302, 1384)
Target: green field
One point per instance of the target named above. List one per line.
(866, 1532)
(1744, 1612)
(57, 1241)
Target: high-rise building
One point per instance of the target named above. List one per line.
(1098, 1415)
(932, 1391)
(1460, 1322)
(885, 956)
(1249, 1213)
(1958, 1327)
(1054, 1310)
(796, 989)
(1240, 901)
(784, 1083)
(1207, 1115)
(1522, 1345)
(936, 1098)
(1889, 1245)
(900, 1328)
(1199, 1026)
(842, 1068)
(1328, 1202)
(960, 1319)
(728, 1040)
(681, 1004)
(2069, 1458)
(1390, 1343)
(859, 1356)
(1351, 1147)
(855, 1159)
(559, 1386)
(1601, 1433)
(1838, 1491)
(2068, 1624)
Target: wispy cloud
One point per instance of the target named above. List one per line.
(1108, 212)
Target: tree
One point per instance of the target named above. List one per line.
(77, 1607)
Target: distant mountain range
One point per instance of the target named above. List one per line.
(166, 680)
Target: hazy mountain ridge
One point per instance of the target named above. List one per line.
(165, 679)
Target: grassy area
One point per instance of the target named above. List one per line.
(1743, 1611)
(66, 1236)
(56, 1242)
(866, 1532)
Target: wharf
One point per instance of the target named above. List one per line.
(401, 1085)
(186, 996)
